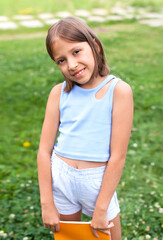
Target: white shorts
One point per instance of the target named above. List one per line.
(76, 189)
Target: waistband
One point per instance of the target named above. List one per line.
(86, 172)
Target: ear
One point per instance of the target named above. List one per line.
(97, 46)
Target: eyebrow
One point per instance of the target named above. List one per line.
(58, 58)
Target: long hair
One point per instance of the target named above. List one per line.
(75, 30)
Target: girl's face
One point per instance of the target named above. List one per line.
(75, 60)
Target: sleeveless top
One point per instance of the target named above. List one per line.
(86, 123)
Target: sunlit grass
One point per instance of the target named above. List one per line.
(9, 8)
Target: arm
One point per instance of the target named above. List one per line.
(122, 117)
(50, 214)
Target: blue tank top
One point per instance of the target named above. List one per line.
(86, 123)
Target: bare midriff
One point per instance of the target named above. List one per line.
(79, 164)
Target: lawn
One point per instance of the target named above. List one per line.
(9, 8)
(134, 53)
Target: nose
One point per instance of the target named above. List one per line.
(72, 65)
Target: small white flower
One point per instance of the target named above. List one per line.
(25, 238)
(147, 228)
(29, 181)
(131, 152)
(157, 205)
(160, 210)
(1, 233)
(27, 185)
(32, 207)
(123, 184)
(141, 238)
(4, 235)
(134, 232)
(152, 193)
(12, 216)
(147, 236)
(22, 185)
(135, 145)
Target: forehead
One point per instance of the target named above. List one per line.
(62, 47)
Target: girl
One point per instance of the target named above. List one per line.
(93, 112)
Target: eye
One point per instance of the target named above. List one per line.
(60, 61)
(76, 51)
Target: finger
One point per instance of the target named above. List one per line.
(110, 225)
(57, 228)
(107, 232)
(95, 233)
(47, 226)
(53, 228)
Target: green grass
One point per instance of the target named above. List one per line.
(9, 8)
(33, 7)
(27, 75)
(29, 7)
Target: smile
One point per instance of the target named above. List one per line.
(79, 73)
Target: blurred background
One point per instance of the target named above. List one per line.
(131, 32)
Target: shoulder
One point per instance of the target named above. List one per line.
(54, 96)
(123, 104)
(123, 89)
(55, 93)
(123, 96)
(56, 90)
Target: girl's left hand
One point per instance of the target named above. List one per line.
(100, 222)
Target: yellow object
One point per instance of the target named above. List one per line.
(78, 231)
(26, 144)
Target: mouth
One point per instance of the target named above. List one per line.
(79, 73)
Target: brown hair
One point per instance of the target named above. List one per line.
(74, 29)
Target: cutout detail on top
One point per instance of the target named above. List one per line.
(102, 91)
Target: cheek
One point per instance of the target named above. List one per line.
(62, 68)
(92, 62)
(91, 58)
